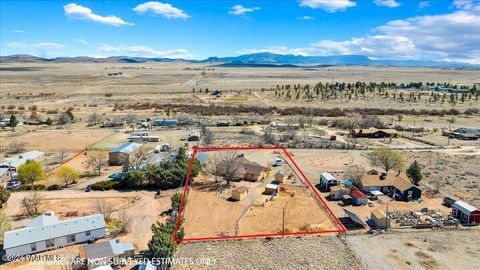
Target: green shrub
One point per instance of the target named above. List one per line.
(105, 185)
(31, 187)
(54, 187)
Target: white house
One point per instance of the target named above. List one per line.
(10, 165)
(47, 232)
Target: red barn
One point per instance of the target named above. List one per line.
(465, 212)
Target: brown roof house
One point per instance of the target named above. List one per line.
(239, 193)
(373, 133)
(394, 183)
(251, 171)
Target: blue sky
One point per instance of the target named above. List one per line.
(447, 30)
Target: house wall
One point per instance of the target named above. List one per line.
(59, 242)
(238, 196)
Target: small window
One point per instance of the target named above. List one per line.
(50, 243)
(71, 238)
(33, 246)
(88, 233)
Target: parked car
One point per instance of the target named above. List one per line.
(13, 184)
(447, 201)
(118, 176)
(88, 188)
(278, 162)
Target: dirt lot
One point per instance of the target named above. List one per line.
(419, 250)
(456, 171)
(209, 212)
(320, 252)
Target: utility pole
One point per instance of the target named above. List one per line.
(283, 221)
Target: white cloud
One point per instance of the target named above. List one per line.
(277, 50)
(423, 4)
(75, 11)
(145, 51)
(306, 18)
(166, 10)
(20, 31)
(446, 37)
(83, 41)
(17, 45)
(387, 3)
(328, 5)
(466, 4)
(240, 10)
(47, 45)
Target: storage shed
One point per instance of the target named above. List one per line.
(336, 192)
(465, 212)
(326, 181)
(271, 188)
(239, 193)
(380, 218)
(280, 177)
(358, 198)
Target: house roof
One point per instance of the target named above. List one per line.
(241, 189)
(17, 160)
(327, 176)
(473, 131)
(106, 249)
(246, 166)
(355, 193)
(126, 148)
(377, 213)
(374, 130)
(272, 186)
(398, 180)
(464, 207)
(41, 229)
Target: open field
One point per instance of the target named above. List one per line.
(419, 250)
(310, 252)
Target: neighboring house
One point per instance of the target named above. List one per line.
(101, 253)
(144, 138)
(165, 122)
(248, 170)
(121, 154)
(47, 232)
(358, 198)
(380, 218)
(392, 183)
(9, 165)
(326, 181)
(465, 212)
(466, 134)
(271, 188)
(239, 193)
(373, 133)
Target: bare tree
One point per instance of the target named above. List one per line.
(93, 119)
(354, 173)
(104, 208)
(61, 154)
(96, 161)
(32, 203)
(125, 221)
(138, 160)
(16, 147)
(214, 168)
(64, 119)
(268, 136)
(207, 136)
(229, 165)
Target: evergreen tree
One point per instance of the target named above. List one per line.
(414, 172)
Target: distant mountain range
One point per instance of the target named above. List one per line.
(255, 59)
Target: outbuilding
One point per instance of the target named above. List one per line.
(380, 218)
(336, 192)
(121, 154)
(465, 212)
(239, 193)
(358, 198)
(271, 188)
(326, 181)
(280, 177)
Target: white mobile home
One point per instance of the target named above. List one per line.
(9, 165)
(326, 181)
(47, 232)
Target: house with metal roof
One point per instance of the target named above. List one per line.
(103, 253)
(121, 155)
(165, 122)
(9, 165)
(47, 232)
(465, 212)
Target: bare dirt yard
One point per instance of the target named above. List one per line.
(311, 252)
(457, 249)
(456, 172)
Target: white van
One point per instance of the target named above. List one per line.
(278, 162)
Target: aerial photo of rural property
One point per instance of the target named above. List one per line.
(240, 134)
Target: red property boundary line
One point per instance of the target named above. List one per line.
(182, 204)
